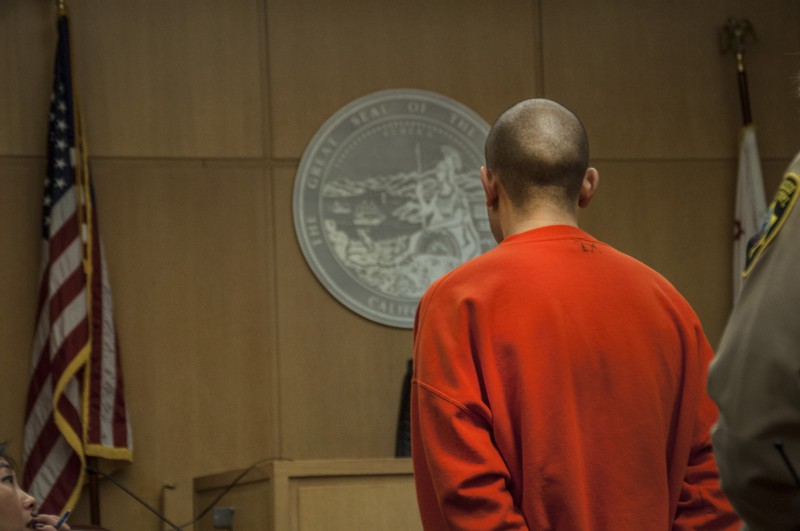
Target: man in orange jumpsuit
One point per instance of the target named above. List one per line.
(558, 383)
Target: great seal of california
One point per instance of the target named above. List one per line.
(388, 198)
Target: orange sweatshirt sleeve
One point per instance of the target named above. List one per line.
(461, 478)
(702, 504)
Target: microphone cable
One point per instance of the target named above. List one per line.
(240, 477)
(92, 470)
(227, 489)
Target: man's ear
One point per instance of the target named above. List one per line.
(589, 186)
(490, 184)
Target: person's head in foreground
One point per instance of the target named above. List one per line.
(17, 507)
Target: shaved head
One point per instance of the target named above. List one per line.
(539, 150)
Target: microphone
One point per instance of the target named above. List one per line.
(92, 470)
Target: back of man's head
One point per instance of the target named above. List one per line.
(540, 151)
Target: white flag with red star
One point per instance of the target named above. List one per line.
(750, 204)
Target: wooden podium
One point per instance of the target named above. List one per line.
(329, 495)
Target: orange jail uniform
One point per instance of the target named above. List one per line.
(559, 384)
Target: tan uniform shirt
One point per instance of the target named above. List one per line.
(755, 377)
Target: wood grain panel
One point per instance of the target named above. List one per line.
(232, 350)
(377, 505)
(772, 171)
(677, 217)
(27, 47)
(170, 79)
(648, 78)
(250, 501)
(190, 261)
(21, 184)
(325, 54)
(340, 374)
(334, 495)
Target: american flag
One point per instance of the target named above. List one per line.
(75, 406)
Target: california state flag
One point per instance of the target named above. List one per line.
(750, 204)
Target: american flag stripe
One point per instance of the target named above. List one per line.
(74, 356)
(61, 466)
(103, 398)
(50, 465)
(39, 413)
(52, 367)
(43, 328)
(108, 431)
(52, 450)
(48, 437)
(65, 263)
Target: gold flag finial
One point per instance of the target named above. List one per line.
(62, 7)
(734, 35)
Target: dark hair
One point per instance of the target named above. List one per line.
(4, 455)
(538, 147)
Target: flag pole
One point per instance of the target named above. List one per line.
(94, 487)
(749, 202)
(94, 493)
(734, 35)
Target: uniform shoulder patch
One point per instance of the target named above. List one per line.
(777, 213)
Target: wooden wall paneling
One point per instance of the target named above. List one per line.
(232, 350)
(676, 217)
(772, 171)
(328, 505)
(340, 374)
(27, 48)
(250, 500)
(329, 495)
(21, 184)
(170, 79)
(190, 261)
(648, 78)
(323, 55)
(773, 66)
